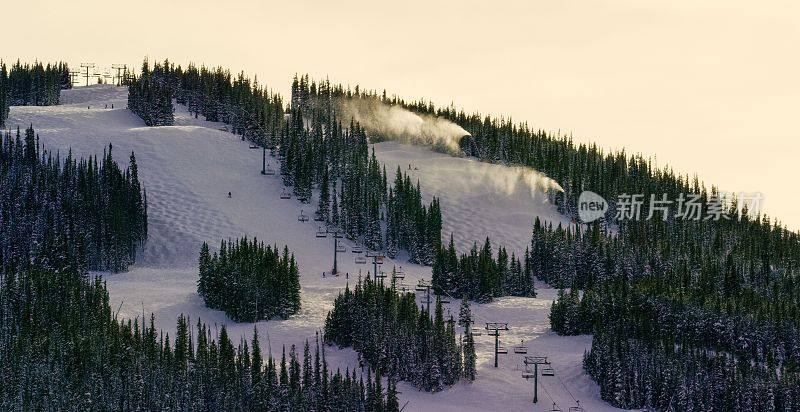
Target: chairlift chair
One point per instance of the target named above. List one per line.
(372, 253)
(361, 260)
(321, 232)
(555, 408)
(252, 146)
(302, 217)
(548, 371)
(379, 260)
(357, 249)
(476, 333)
(285, 194)
(269, 171)
(319, 218)
(521, 349)
(578, 408)
(528, 375)
(501, 350)
(341, 248)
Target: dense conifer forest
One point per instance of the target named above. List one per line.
(653, 353)
(479, 275)
(150, 95)
(249, 281)
(31, 85)
(716, 301)
(88, 207)
(252, 111)
(394, 336)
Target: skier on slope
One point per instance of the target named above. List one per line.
(229, 195)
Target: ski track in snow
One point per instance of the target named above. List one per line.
(189, 168)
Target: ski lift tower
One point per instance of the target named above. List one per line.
(337, 234)
(380, 276)
(264, 160)
(424, 286)
(398, 274)
(377, 259)
(120, 68)
(535, 361)
(87, 66)
(494, 329)
(73, 75)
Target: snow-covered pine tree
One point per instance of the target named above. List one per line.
(4, 97)
(324, 205)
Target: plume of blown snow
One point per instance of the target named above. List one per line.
(392, 122)
(508, 180)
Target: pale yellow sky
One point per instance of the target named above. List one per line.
(710, 87)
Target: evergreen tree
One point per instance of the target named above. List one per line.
(323, 208)
(4, 97)
(466, 321)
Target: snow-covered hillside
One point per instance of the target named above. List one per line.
(478, 199)
(188, 170)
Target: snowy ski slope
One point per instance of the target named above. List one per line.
(188, 170)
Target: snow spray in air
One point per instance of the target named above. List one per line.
(508, 180)
(392, 122)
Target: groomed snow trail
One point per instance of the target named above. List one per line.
(188, 170)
